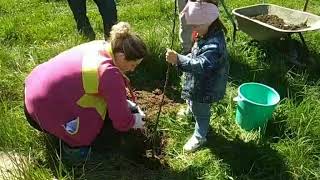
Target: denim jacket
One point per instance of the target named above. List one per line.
(205, 69)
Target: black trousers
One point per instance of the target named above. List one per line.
(107, 9)
(115, 138)
(31, 121)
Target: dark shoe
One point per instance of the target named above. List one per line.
(107, 33)
(75, 155)
(88, 33)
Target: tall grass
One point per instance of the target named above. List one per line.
(33, 31)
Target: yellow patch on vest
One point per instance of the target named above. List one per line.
(97, 102)
(90, 80)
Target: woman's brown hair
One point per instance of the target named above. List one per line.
(124, 41)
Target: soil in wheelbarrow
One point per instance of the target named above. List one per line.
(278, 22)
(142, 147)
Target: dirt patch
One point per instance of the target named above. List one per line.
(275, 21)
(142, 147)
(150, 104)
(153, 144)
(10, 164)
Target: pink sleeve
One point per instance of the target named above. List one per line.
(112, 88)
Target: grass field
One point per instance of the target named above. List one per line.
(32, 31)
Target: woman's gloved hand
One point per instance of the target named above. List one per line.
(132, 106)
(135, 109)
(141, 112)
(138, 115)
(139, 123)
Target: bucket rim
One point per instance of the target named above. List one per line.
(255, 83)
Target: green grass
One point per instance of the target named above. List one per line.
(33, 31)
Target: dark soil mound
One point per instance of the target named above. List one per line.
(275, 21)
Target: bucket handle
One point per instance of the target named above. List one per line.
(238, 99)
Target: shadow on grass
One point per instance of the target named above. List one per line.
(272, 73)
(274, 67)
(278, 128)
(116, 155)
(248, 160)
(291, 51)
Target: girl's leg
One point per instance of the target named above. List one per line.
(201, 113)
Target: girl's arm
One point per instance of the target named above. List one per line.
(210, 59)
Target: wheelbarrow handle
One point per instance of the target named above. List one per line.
(230, 17)
(305, 5)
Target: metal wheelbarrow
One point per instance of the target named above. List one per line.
(263, 31)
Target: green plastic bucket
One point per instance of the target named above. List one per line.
(255, 105)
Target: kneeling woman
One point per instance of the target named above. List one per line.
(70, 95)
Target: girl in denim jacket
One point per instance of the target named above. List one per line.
(205, 68)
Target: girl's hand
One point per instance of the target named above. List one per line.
(171, 56)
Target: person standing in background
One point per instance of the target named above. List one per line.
(108, 12)
(185, 30)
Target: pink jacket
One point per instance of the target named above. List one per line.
(53, 88)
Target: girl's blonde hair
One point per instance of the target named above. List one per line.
(123, 40)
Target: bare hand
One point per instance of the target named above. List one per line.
(171, 56)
